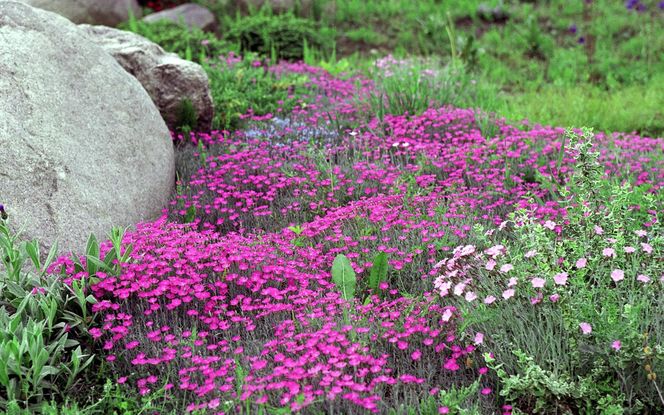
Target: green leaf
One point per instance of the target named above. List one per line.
(51, 255)
(378, 272)
(344, 277)
(32, 249)
(92, 250)
(191, 214)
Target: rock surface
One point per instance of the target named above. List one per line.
(167, 78)
(191, 14)
(82, 146)
(98, 12)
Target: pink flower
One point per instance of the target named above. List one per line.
(443, 410)
(447, 314)
(495, 251)
(617, 275)
(490, 265)
(549, 225)
(479, 338)
(599, 230)
(554, 298)
(586, 328)
(609, 252)
(643, 278)
(646, 248)
(581, 263)
(508, 294)
(489, 299)
(530, 253)
(538, 282)
(506, 268)
(561, 278)
(512, 282)
(122, 380)
(416, 355)
(616, 345)
(630, 249)
(485, 391)
(640, 233)
(470, 296)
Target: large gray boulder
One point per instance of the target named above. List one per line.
(168, 79)
(82, 146)
(191, 14)
(99, 12)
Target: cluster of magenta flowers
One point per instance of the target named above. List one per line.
(239, 307)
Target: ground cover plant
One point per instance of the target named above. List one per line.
(332, 261)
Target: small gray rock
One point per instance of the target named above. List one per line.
(191, 14)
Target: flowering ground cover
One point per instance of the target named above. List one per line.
(331, 261)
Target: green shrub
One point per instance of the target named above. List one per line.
(279, 36)
(191, 44)
(238, 85)
(44, 338)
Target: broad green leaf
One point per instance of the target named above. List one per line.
(378, 272)
(51, 255)
(344, 277)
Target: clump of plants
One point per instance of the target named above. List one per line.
(571, 310)
(239, 85)
(189, 43)
(283, 36)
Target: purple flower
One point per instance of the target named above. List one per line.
(3, 214)
(630, 4)
(572, 29)
(581, 40)
(661, 5)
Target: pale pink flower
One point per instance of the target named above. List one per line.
(471, 296)
(479, 338)
(616, 345)
(458, 289)
(512, 282)
(495, 251)
(561, 278)
(630, 249)
(530, 253)
(609, 252)
(617, 275)
(646, 248)
(586, 328)
(447, 314)
(554, 298)
(643, 278)
(506, 268)
(538, 282)
(549, 225)
(490, 265)
(640, 233)
(581, 262)
(599, 230)
(489, 300)
(508, 293)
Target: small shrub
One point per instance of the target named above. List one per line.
(44, 338)
(281, 36)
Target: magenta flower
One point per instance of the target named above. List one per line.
(616, 345)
